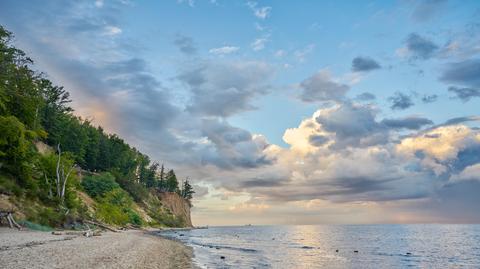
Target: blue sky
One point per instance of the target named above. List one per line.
(328, 111)
(330, 33)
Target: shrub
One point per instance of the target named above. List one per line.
(112, 214)
(115, 207)
(137, 191)
(98, 185)
(135, 218)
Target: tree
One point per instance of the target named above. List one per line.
(171, 181)
(162, 181)
(63, 171)
(98, 185)
(187, 190)
(16, 153)
(57, 175)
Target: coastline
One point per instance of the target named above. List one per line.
(126, 249)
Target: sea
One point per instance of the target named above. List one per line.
(334, 246)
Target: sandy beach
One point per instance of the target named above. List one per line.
(126, 249)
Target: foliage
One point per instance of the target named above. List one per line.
(171, 183)
(9, 186)
(15, 148)
(33, 110)
(187, 190)
(115, 207)
(97, 185)
(111, 214)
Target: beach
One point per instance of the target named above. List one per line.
(125, 249)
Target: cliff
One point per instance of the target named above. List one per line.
(177, 205)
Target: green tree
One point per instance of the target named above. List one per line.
(162, 179)
(171, 182)
(187, 190)
(16, 148)
(98, 185)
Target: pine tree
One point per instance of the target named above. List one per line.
(171, 181)
(161, 182)
(187, 190)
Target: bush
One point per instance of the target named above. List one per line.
(134, 218)
(137, 191)
(98, 185)
(8, 186)
(45, 216)
(111, 214)
(115, 207)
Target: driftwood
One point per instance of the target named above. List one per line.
(11, 221)
(101, 225)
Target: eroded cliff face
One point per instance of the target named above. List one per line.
(177, 205)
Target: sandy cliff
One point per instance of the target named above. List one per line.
(177, 205)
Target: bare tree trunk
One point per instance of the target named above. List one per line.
(58, 170)
(12, 221)
(47, 182)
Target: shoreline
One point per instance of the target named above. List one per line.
(125, 249)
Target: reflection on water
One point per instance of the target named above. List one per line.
(336, 246)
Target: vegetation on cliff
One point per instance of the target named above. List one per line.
(47, 186)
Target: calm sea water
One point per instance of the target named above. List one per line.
(378, 246)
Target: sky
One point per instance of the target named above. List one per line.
(280, 112)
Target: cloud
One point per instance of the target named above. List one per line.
(411, 123)
(224, 50)
(233, 147)
(459, 120)
(259, 43)
(342, 161)
(427, 9)
(302, 53)
(465, 73)
(351, 125)
(427, 99)
(112, 30)
(364, 64)
(261, 183)
(465, 94)
(418, 47)
(321, 87)
(259, 12)
(225, 88)
(191, 3)
(185, 44)
(99, 3)
(366, 96)
(469, 173)
(318, 140)
(400, 101)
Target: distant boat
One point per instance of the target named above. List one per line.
(248, 225)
